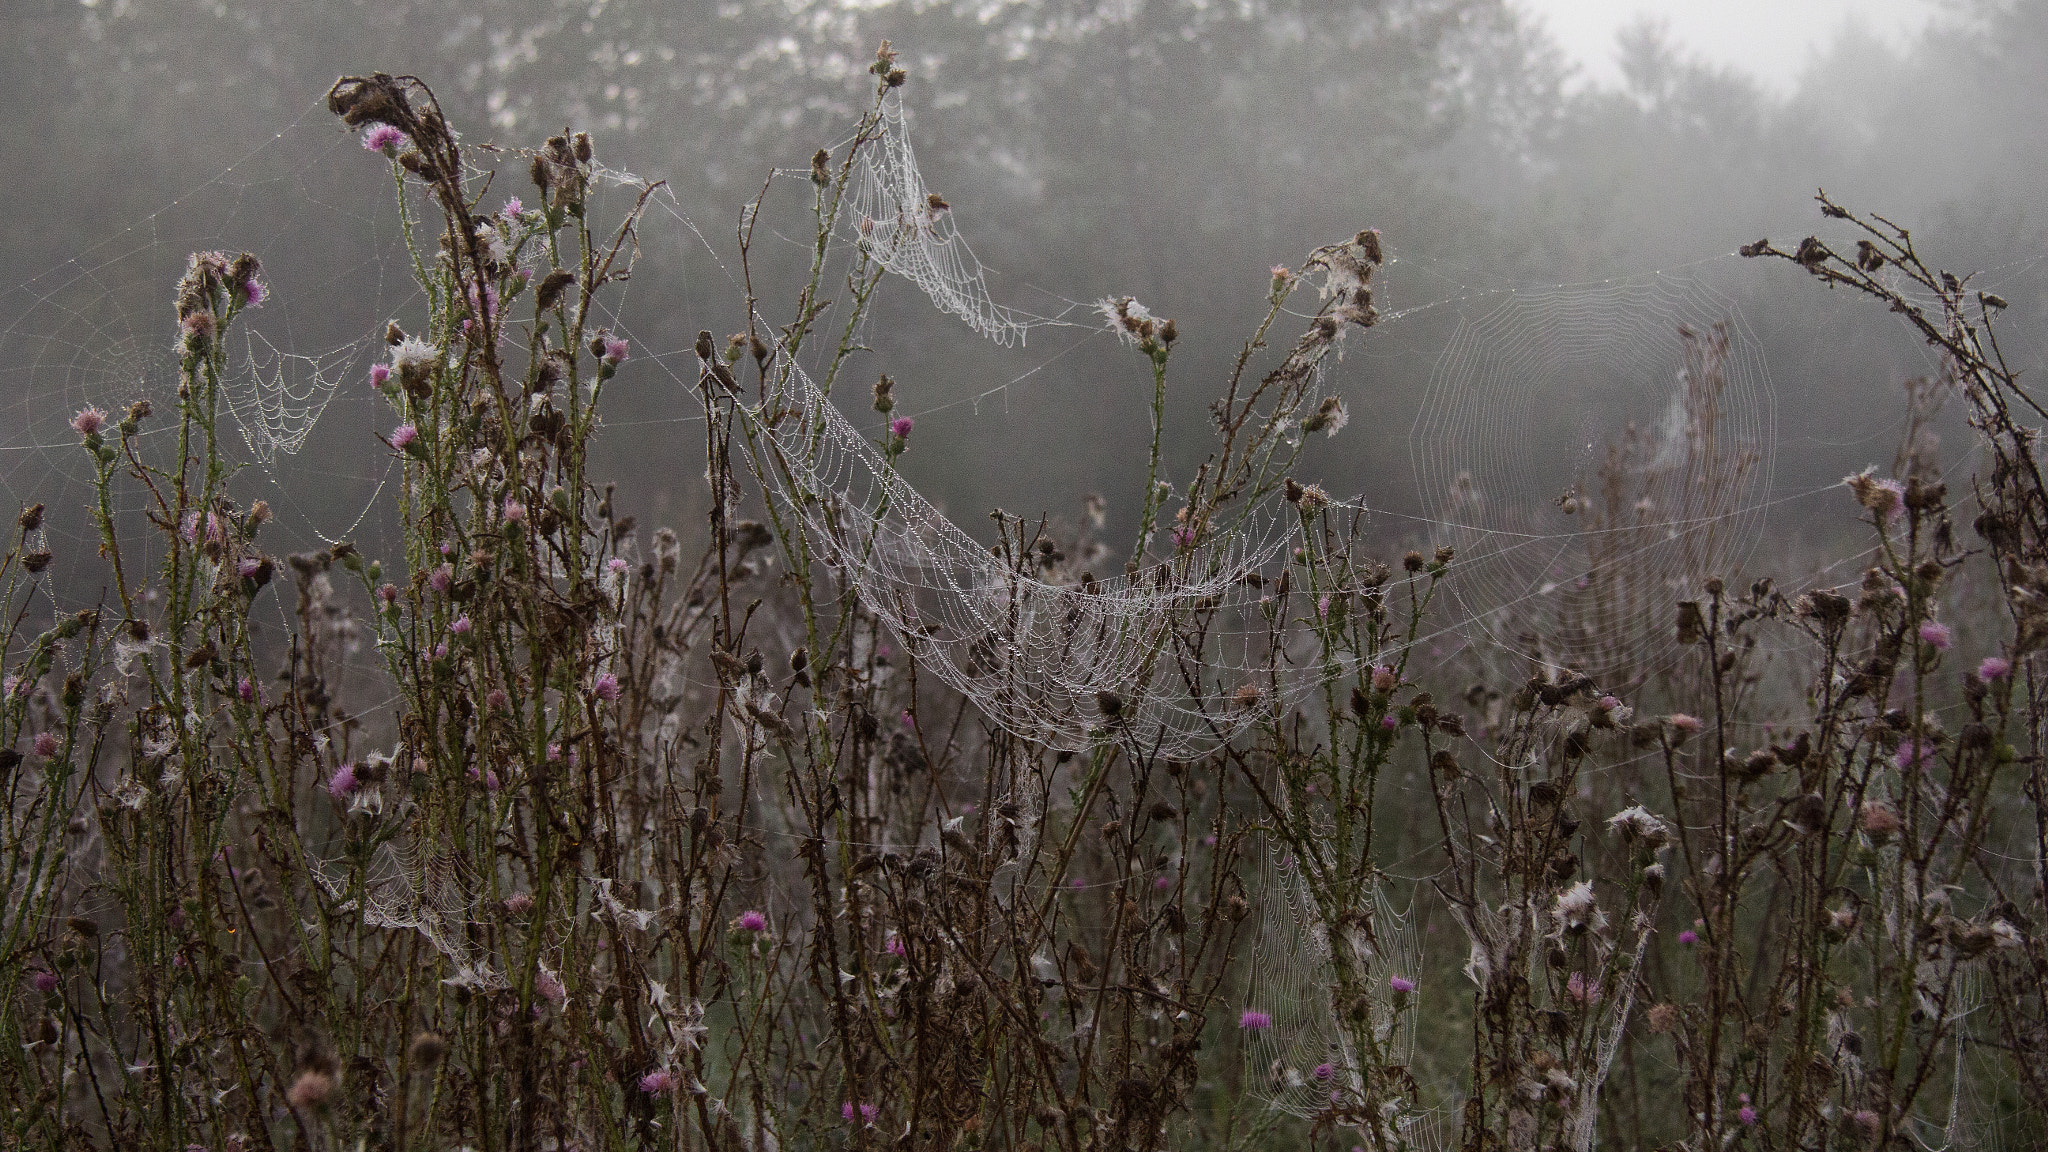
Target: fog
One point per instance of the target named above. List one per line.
(1173, 152)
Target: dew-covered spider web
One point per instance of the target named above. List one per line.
(1302, 1059)
(1064, 664)
(277, 396)
(1594, 453)
(908, 229)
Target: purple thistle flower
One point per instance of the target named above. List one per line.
(659, 1082)
(1994, 668)
(606, 688)
(514, 511)
(1401, 984)
(519, 903)
(389, 594)
(43, 980)
(512, 207)
(615, 349)
(550, 987)
(900, 427)
(617, 564)
(254, 292)
(88, 421)
(894, 947)
(1324, 1071)
(246, 689)
(1912, 753)
(441, 650)
(1936, 635)
(440, 578)
(403, 436)
(460, 626)
(1688, 937)
(384, 138)
(46, 744)
(752, 921)
(1253, 1020)
(1747, 1115)
(343, 782)
(380, 375)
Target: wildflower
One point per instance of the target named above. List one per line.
(197, 328)
(519, 903)
(550, 987)
(1324, 1071)
(88, 421)
(413, 352)
(1329, 418)
(1384, 679)
(1582, 990)
(1685, 722)
(606, 688)
(615, 349)
(907, 720)
(1913, 753)
(1747, 1115)
(1878, 818)
(894, 947)
(343, 782)
(512, 208)
(311, 1089)
(440, 578)
(441, 650)
(1400, 984)
(496, 699)
(752, 921)
(43, 980)
(1994, 668)
(866, 1112)
(248, 566)
(1936, 635)
(46, 744)
(900, 427)
(1253, 1020)
(659, 1082)
(402, 437)
(1637, 823)
(1576, 907)
(384, 138)
(1882, 497)
(1663, 1018)
(460, 626)
(1609, 703)
(388, 594)
(1688, 937)
(254, 292)
(1389, 722)
(616, 564)
(246, 689)
(1183, 536)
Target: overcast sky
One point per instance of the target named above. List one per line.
(1768, 38)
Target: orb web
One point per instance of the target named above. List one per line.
(1303, 1061)
(1595, 454)
(1067, 664)
(902, 225)
(276, 396)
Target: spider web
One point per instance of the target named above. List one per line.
(1594, 453)
(1305, 1064)
(1066, 665)
(898, 222)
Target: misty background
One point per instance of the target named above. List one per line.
(1173, 151)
